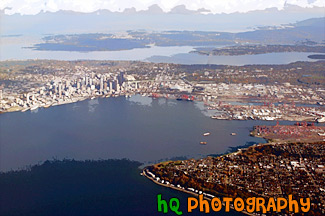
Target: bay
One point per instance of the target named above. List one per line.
(137, 128)
(58, 161)
(268, 58)
(105, 187)
(16, 48)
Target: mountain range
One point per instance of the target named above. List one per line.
(152, 19)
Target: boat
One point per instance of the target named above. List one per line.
(203, 143)
(233, 134)
(214, 117)
(206, 134)
(190, 98)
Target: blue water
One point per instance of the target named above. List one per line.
(137, 128)
(15, 49)
(85, 188)
(268, 58)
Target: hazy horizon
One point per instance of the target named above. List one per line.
(25, 7)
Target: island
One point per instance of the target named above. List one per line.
(262, 49)
(285, 38)
(316, 56)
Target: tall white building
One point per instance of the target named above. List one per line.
(101, 85)
(60, 89)
(110, 86)
(27, 97)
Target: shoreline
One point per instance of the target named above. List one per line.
(45, 106)
(71, 101)
(144, 173)
(165, 183)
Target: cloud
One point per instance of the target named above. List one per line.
(215, 6)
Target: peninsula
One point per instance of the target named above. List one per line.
(269, 170)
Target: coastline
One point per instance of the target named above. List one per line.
(172, 96)
(166, 182)
(24, 109)
(144, 173)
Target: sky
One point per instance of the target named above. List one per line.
(32, 7)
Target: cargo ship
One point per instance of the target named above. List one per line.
(203, 143)
(185, 98)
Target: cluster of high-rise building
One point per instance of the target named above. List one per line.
(65, 90)
(94, 83)
(47, 83)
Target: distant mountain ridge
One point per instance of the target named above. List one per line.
(182, 9)
(152, 19)
(311, 29)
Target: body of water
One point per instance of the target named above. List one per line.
(74, 188)
(137, 128)
(96, 131)
(268, 58)
(18, 52)
(16, 49)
